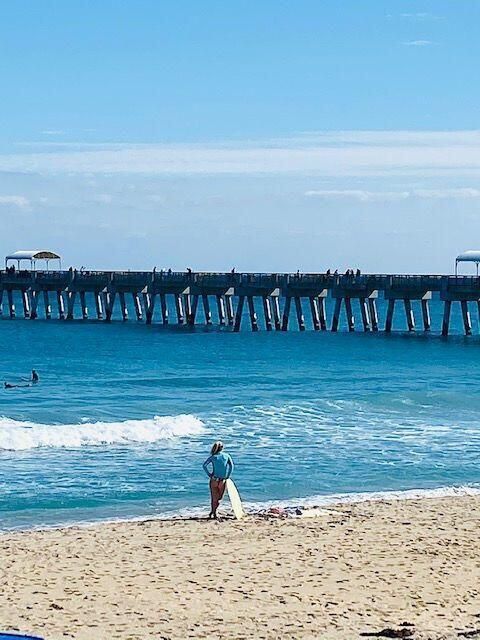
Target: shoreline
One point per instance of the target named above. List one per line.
(255, 508)
(357, 568)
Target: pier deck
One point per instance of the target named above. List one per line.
(237, 297)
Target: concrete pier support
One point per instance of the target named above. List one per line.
(109, 302)
(478, 311)
(137, 305)
(314, 312)
(123, 305)
(390, 310)
(252, 313)
(193, 310)
(350, 316)
(46, 305)
(206, 309)
(425, 315)
(276, 313)
(322, 316)
(34, 296)
(221, 310)
(149, 307)
(407, 303)
(26, 304)
(70, 304)
(11, 304)
(336, 314)
(365, 314)
(229, 310)
(286, 313)
(467, 324)
(164, 308)
(267, 313)
(299, 311)
(187, 306)
(98, 305)
(1, 302)
(238, 315)
(60, 305)
(446, 317)
(372, 308)
(179, 308)
(83, 304)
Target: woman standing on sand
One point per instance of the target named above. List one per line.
(221, 470)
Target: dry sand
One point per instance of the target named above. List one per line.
(364, 568)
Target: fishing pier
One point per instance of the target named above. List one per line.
(269, 301)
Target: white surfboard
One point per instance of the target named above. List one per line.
(235, 500)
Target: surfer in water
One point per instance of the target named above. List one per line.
(221, 469)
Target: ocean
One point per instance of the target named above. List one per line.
(125, 414)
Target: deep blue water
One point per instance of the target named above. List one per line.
(125, 414)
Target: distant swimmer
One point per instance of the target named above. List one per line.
(221, 469)
(9, 385)
(35, 377)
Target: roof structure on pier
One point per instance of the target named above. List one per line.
(33, 255)
(469, 256)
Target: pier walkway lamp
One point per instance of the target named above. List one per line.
(33, 257)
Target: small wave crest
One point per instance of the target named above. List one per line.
(16, 435)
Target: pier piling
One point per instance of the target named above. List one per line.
(372, 308)
(364, 314)
(336, 314)
(46, 304)
(220, 310)
(238, 315)
(267, 313)
(164, 308)
(409, 314)
(286, 313)
(425, 315)
(206, 309)
(467, 325)
(446, 317)
(390, 311)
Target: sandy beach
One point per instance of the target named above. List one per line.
(411, 566)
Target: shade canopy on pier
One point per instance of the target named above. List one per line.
(468, 256)
(33, 256)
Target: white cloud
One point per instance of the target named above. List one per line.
(417, 43)
(343, 153)
(463, 193)
(420, 16)
(358, 194)
(14, 201)
(372, 196)
(53, 132)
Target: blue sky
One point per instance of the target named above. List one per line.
(266, 135)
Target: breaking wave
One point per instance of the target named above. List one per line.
(16, 435)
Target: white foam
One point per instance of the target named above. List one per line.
(17, 435)
(370, 496)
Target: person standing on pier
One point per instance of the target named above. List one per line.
(221, 469)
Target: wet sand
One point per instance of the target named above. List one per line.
(359, 569)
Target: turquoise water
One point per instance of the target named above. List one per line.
(125, 414)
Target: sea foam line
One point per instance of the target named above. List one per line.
(253, 508)
(17, 435)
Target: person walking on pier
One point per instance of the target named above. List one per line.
(221, 469)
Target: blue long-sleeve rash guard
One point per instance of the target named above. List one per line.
(222, 466)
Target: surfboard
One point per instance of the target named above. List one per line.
(235, 500)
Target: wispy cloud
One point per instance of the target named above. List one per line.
(344, 153)
(372, 196)
(357, 194)
(417, 43)
(421, 15)
(15, 201)
(52, 132)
